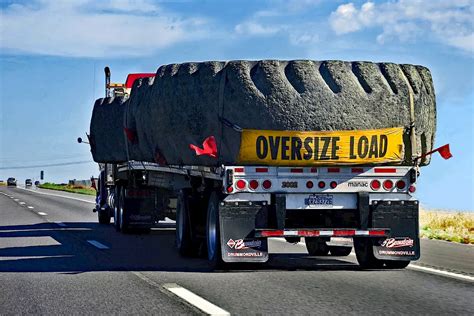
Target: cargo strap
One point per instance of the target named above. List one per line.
(221, 106)
(411, 100)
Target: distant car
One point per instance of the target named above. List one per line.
(2, 183)
(37, 183)
(11, 182)
(28, 183)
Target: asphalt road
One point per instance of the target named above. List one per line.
(51, 262)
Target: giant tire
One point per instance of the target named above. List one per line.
(269, 95)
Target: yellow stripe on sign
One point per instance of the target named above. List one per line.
(293, 148)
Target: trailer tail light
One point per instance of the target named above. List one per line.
(333, 184)
(253, 184)
(296, 170)
(412, 189)
(375, 185)
(241, 184)
(321, 184)
(401, 184)
(267, 184)
(239, 170)
(261, 170)
(230, 189)
(388, 184)
(309, 184)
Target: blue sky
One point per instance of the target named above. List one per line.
(52, 55)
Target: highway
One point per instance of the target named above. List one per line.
(56, 259)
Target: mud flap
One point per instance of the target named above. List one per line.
(237, 226)
(401, 217)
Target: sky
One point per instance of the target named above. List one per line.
(52, 55)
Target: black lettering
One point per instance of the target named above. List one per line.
(316, 148)
(262, 147)
(296, 145)
(284, 148)
(334, 148)
(309, 149)
(351, 148)
(363, 146)
(324, 152)
(383, 145)
(373, 152)
(274, 146)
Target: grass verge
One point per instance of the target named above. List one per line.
(68, 188)
(456, 227)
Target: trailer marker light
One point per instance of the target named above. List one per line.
(333, 184)
(267, 184)
(321, 184)
(412, 189)
(388, 184)
(357, 170)
(296, 170)
(314, 170)
(375, 185)
(309, 184)
(385, 170)
(253, 184)
(261, 169)
(239, 169)
(241, 184)
(334, 170)
(401, 184)
(230, 189)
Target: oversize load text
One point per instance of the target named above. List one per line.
(310, 148)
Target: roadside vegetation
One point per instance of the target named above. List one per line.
(449, 226)
(68, 188)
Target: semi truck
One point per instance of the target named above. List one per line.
(228, 212)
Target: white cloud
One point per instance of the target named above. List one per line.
(87, 28)
(448, 22)
(255, 28)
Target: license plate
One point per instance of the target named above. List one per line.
(317, 200)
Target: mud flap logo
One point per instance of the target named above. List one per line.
(240, 244)
(394, 243)
(391, 247)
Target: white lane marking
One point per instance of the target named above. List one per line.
(97, 244)
(22, 203)
(42, 213)
(195, 300)
(60, 224)
(16, 200)
(30, 207)
(441, 272)
(62, 196)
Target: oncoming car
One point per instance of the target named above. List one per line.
(11, 182)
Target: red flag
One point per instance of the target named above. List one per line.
(131, 135)
(209, 147)
(444, 151)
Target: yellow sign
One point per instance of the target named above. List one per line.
(293, 148)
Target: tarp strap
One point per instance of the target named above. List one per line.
(228, 123)
(221, 107)
(411, 100)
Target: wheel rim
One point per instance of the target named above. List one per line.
(211, 232)
(121, 217)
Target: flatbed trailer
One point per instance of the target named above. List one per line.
(228, 213)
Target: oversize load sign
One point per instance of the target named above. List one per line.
(292, 148)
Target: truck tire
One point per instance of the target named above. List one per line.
(104, 216)
(365, 254)
(316, 246)
(184, 237)
(124, 220)
(340, 251)
(396, 264)
(117, 206)
(213, 238)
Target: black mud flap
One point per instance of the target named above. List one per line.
(401, 217)
(237, 226)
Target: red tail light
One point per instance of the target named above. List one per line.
(253, 184)
(401, 185)
(309, 184)
(321, 184)
(241, 184)
(375, 185)
(388, 184)
(230, 189)
(333, 184)
(412, 189)
(267, 184)
(239, 169)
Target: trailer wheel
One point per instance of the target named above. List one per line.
(124, 220)
(365, 254)
(340, 251)
(213, 237)
(117, 206)
(316, 246)
(396, 264)
(184, 238)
